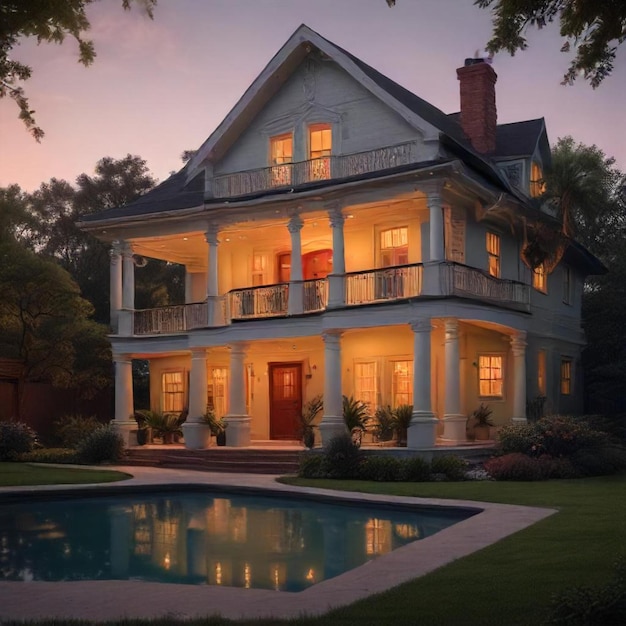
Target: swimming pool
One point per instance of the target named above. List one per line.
(218, 538)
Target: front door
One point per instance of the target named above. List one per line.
(285, 400)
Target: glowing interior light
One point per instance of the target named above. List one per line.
(246, 576)
(310, 575)
(218, 573)
(167, 561)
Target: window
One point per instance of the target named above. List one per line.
(537, 184)
(541, 372)
(259, 268)
(493, 254)
(567, 285)
(566, 377)
(490, 380)
(320, 147)
(173, 392)
(281, 157)
(217, 390)
(401, 383)
(365, 384)
(540, 279)
(394, 246)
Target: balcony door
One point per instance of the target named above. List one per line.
(316, 264)
(285, 381)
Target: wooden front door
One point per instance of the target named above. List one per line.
(285, 400)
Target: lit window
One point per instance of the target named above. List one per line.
(394, 246)
(541, 372)
(259, 268)
(173, 399)
(537, 184)
(490, 380)
(217, 391)
(401, 383)
(567, 285)
(493, 254)
(320, 147)
(281, 157)
(540, 279)
(566, 377)
(365, 383)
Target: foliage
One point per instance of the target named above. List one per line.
(49, 22)
(482, 416)
(341, 457)
(15, 439)
(381, 468)
(415, 469)
(50, 455)
(451, 466)
(601, 604)
(384, 424)
(103, 444)
(517, 466)
(162, 423)
(216, 425)
(535, 408)
(70, 430)
(403, 414)
(311, 466)
(355, 413)
(594, 29)
(309, 412)
(602, 460)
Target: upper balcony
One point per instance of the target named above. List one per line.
(324, 168)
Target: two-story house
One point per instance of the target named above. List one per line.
(341, 236)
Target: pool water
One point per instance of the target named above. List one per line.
(249, 541)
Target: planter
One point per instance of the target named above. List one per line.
(220, 439)
(481, 432)
(143, 436)
(168, 438)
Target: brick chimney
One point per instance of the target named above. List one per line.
(478, 104)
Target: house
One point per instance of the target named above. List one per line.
(341, 236)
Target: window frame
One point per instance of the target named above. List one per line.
(319, 165)
(373, 405)
(166, 406)
(392, 250)
(491, 380)
(540, 279)
(536, 183)
(567, 285)
(392, 382)
(494, 253)
(566, 376)
(280, 171)
(542, 372)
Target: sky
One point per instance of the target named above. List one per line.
(160, 87)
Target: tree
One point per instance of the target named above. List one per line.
(50, 21)
(594, 28)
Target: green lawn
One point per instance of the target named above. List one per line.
(23, 474)
(506, 584)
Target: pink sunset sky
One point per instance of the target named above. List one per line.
(160, 87)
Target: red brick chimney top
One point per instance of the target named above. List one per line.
(478, 104)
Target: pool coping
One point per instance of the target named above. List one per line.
(115, 599)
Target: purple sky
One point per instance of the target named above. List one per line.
(160, 87)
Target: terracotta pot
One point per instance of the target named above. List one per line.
(481, 432)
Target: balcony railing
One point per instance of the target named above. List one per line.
(315, 295)
(390, 283)
(293, 174)
(270, 301)
(461, 280)
(170, 319)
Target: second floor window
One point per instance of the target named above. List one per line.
(394, 246)
(540, 279)
(493, 254)
(281, 157)
(320, 148)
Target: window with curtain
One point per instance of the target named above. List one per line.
(401, 383)
(490, 376)
(365, 384)
(566, 376)
(493, 254)
(281, 157)
(540, 279)
(320, 149)
(173, 391)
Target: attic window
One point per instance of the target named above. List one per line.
(281, 157)
(537, 184)
(320, 147)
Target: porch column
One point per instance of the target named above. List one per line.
(435, 209)
(332, 423)
(115, 284)
(197, 433)
(237, 420)
(216, 317)
(422, 432)
(518, 347)
(336, 280)
(296, 289)
(126, 313)
(124, 421)
(453, 422)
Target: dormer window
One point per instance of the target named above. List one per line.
(540, 279)
(281, 158)
(493, 254)
(320, 147)
(537, 184)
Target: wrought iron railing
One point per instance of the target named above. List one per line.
(390, 283)
(315, 295)
(267, 301)
(293, 174)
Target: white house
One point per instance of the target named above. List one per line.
(341, 236)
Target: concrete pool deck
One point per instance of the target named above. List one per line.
(107, 600)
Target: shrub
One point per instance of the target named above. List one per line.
(453, 467)
(380, 468)
(341, 458)
(50, 455)
(15, 439)
(104, 444)
(518, 466)
(355, 413)
(415, 469)
(601, 461)
(70, 430)
(311, 466)
(384, 423)
(520, 438)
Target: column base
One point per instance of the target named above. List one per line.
(336, 291)
(454, 428)
(126, 429)
(330, 427)
(197, 435)
(519, 420)
(422, 432)
(237, 431)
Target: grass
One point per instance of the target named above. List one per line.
(510, 582)
(23, 474)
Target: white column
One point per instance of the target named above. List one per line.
(435, 209)
(296, 291)
(128, 277)
(115, 289)
(332, 423)
(518, 347)
(197, 433)
(216, 317)
(453, 421)
(336, 280)
(422, 432)
(238, 429)
(124, 421)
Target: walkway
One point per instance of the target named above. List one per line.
(107, 600)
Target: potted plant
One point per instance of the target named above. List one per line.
(308, 415)
(355, 416)
(144, 432)
(385, 424)
(481, 422)
(164, 425)
(403, 414)
(217, 426)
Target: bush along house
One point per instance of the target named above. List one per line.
(341, 236)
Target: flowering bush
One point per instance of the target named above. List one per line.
(517, 466)
(15, 439)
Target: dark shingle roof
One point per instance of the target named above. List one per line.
(518, 138)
